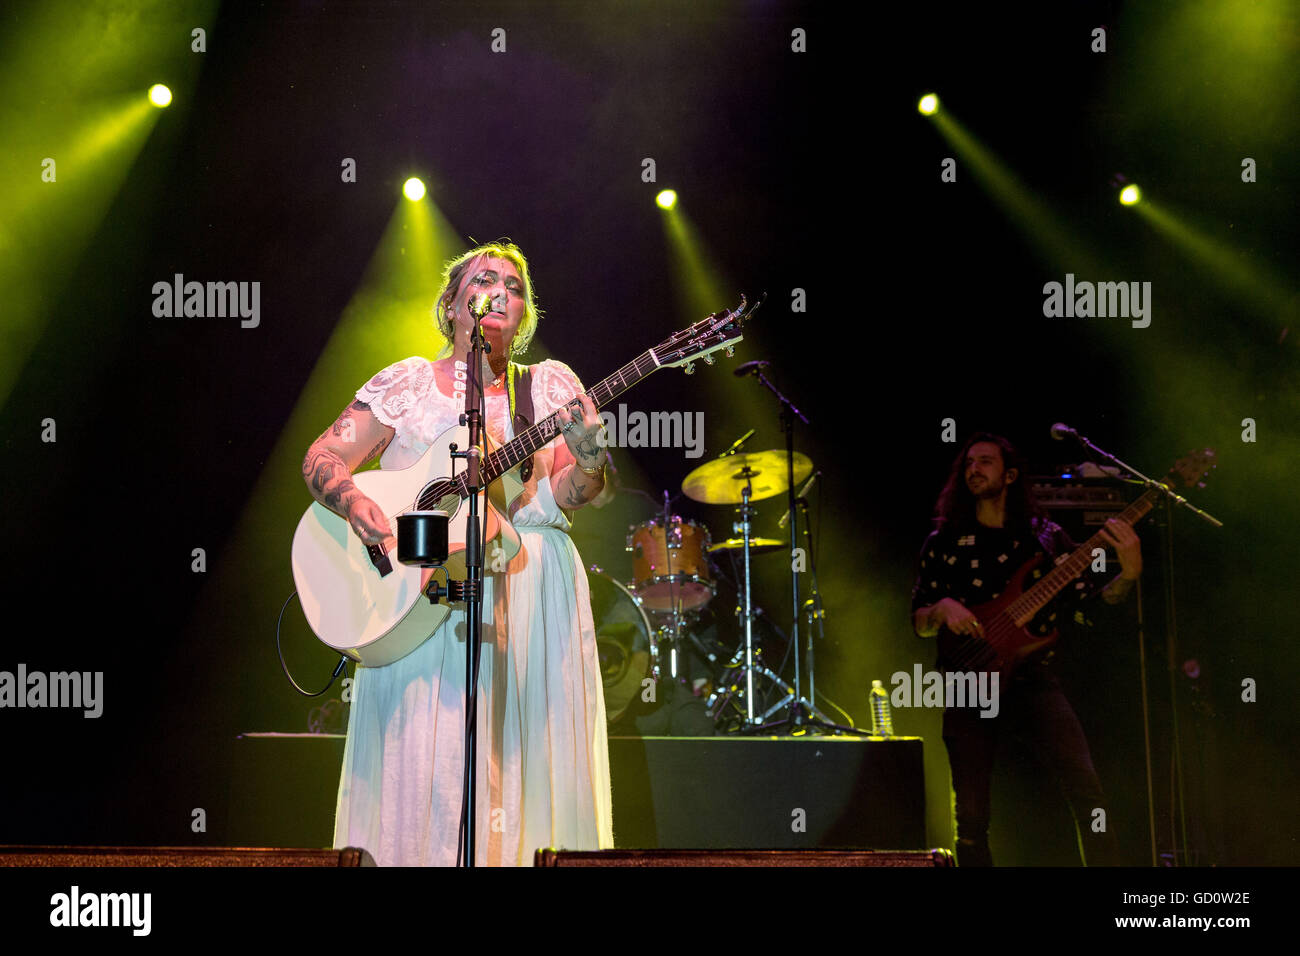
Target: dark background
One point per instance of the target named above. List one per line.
(798, 170)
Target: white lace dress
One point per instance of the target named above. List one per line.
(543, 757)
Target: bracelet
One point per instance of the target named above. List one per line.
(591, 472)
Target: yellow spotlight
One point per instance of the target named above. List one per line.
(414, 189)
(159, 95)
(1129, 195)
(929, 104)
(667, 199)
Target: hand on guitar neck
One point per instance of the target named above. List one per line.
(1121, 536)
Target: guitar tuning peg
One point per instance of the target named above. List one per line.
(690, 368)
(731, 351)
(709, 359)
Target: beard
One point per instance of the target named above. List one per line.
(987, 489)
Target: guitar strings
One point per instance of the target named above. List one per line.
(543, 432)
(533, 436)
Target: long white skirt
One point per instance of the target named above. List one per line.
(542, 750)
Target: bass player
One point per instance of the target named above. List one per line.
(987, 526)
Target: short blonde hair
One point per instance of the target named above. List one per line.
(454, 271)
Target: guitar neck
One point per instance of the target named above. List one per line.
(1023, 608)
(535, 436)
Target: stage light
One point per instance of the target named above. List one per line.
(1129, 195)
(414, 189)
(929, 104)
(159, 95)
(667, 199)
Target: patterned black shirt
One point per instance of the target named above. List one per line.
(973, 564)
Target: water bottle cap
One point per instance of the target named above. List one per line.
(876, 683)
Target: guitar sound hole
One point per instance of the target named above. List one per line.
(440, 495)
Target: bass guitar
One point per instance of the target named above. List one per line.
(1006, 641)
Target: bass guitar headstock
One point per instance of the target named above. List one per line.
(1192, 469)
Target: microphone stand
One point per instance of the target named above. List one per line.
(473, 418)
(1178, 809)
(801, 711)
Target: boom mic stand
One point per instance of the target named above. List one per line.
(422, 540)
(473, 418)
(803, 711)
(1171, 498)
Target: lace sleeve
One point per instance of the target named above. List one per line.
(554, 384)
(397, 391)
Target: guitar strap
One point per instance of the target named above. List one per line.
(521, 413)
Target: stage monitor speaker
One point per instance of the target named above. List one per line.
(765, 793)
(730, 858)
(202, 856)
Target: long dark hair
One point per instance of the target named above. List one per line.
(957, 504)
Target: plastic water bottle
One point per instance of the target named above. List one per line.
(882, 723)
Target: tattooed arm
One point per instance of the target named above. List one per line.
(582, 448)
(354, 439)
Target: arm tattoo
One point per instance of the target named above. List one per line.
(580, 488)
(318, 468)
(588, 450)
(334, 500)
(329, 480)
(573, 498)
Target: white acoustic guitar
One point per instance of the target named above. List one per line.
(361, 601)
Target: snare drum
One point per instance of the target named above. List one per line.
(625, 642)
(671, 570)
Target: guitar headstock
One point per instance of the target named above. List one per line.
(1192, 469)
(721, 330)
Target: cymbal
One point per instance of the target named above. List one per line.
(721, 481)
(756, 545)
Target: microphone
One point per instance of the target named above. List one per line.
(750, 367)
(480, 304)
(785, 518)
(736, 445)
(1060, 431)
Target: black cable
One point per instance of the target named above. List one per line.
(343, 660)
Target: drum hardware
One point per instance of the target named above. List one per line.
(673, 581)
(670, 567)
(743, 527)
(626, 643)
(797, 468)
(756, 545)
(766, 473)
(725, 703)
(671, 631)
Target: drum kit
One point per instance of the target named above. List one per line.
(646, 626)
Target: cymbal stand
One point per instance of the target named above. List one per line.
(747, 606)
(816, 611)
(816, 615)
